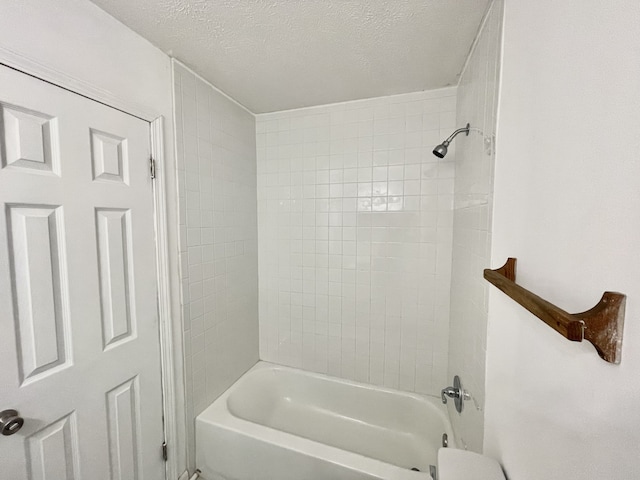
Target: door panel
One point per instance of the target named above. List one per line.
(38, 293)
(116, 275)
(80, 351)
(53, 451)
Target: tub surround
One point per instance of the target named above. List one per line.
(477, 102)
(355, 220)
(218, 240)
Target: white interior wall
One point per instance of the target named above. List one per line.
(216, 158)
(567, 205)
(78, 40)
(473, 202)
(355, 220)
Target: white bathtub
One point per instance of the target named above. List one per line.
(285, 424)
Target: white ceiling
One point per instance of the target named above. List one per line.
(274, 55)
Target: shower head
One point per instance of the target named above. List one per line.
(441, 150)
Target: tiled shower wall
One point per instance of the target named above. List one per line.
(476, 104)
(355, 224)
(218, 240)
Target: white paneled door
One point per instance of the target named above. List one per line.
(79, 349)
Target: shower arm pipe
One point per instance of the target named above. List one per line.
(466, 129)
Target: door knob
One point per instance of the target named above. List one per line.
(10, 422)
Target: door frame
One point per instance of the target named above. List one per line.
(169, 342)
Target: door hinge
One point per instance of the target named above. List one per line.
(165, 455)
(152, 167)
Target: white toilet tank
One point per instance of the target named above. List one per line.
(455, 464)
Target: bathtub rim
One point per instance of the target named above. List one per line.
(217, 414)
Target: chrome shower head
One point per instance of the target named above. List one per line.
(441, 150)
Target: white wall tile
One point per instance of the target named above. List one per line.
(353, 241)
(218, 240)
(476, 104)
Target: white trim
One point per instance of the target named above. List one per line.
(164, 300)
(18, 61)
(175, 62)
(178, 345)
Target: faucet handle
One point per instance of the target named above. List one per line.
(444, 395)
(451, 392)
(456, 392)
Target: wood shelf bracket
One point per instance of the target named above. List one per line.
(602, 325)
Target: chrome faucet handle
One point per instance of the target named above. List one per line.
(450, 392)
(456, 392)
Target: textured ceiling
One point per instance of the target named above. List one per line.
(279, 54)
